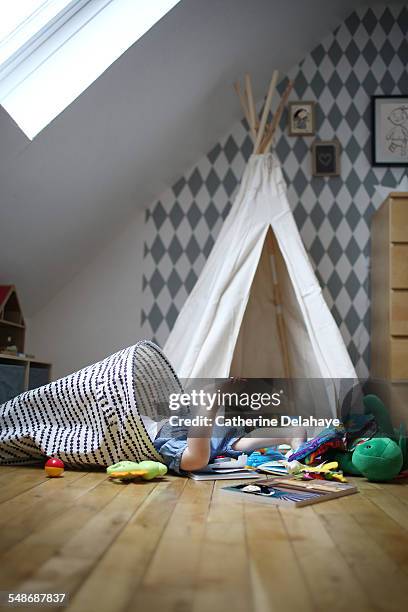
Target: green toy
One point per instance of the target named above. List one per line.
(129, 470)
(345, 461)
(375, 406)
(378, 459)
(402, 442)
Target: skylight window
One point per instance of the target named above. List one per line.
(15, 13)
(24, 24)
(52, 50)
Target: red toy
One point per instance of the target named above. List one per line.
(54, 468)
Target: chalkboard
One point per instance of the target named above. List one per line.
(325, 158)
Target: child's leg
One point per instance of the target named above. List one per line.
(276, 436)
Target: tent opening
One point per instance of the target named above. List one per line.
(273, 341)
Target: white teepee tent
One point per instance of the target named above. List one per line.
(257, 309)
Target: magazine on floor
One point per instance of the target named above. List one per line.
(291, 491)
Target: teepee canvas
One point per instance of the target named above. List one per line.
(257, 309)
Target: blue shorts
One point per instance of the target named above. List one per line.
(171, 441)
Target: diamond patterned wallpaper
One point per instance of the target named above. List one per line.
(366, 55)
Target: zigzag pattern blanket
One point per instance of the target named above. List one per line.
(91, 417)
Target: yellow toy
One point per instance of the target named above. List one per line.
(130, 470)
(324, 471)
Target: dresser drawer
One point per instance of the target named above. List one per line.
(399, 313)
(399, 359)
(399, 266)
(399, 220)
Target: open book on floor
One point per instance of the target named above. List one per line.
(293, 492)
(225, 468)
(231, 475)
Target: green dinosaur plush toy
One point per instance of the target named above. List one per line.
(345, 461)
(375, 406)
(378, 459)
(129, 470)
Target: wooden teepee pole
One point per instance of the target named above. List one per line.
(245, 109)
(277, 117)
(262, 133)
(251, 103)
(272, 248)
(266, 109)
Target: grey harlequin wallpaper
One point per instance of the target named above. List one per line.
(366, 55)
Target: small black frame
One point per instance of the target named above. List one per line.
(330, 149)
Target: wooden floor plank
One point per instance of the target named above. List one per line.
(182, 539)
(22, 559)
(25, 503)
(171, 574)
(399, 489)
(330, 507)
(338, 589)
(186, 546)
(27, 479)
(114, 582)
(380, 527)
(50, 502)
(6, 471)
(383, 581)
(393, 506)
(274, 565)
(66, 569)
(223, 579)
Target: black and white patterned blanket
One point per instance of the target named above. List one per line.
(91, 417)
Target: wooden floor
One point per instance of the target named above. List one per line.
(183, 545)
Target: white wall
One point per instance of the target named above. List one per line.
(98, 312)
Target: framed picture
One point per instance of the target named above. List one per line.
(389, 137)
(302, 120)
(326, 158)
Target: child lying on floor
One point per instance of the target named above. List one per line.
(187, 450)
(184, 453)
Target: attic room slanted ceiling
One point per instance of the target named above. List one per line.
(136, 130)
(52, 50)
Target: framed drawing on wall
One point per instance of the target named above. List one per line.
(389, 138)
(301, 118)
(326, 158)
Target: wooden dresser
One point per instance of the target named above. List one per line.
(389, 306)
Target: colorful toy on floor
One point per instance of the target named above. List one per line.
(324, 471)
(54, 467)
(130, 470)
(264, 455)
(378, 459)
(284, 449)
(311, 451)
(345, 458)
(365, 445)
